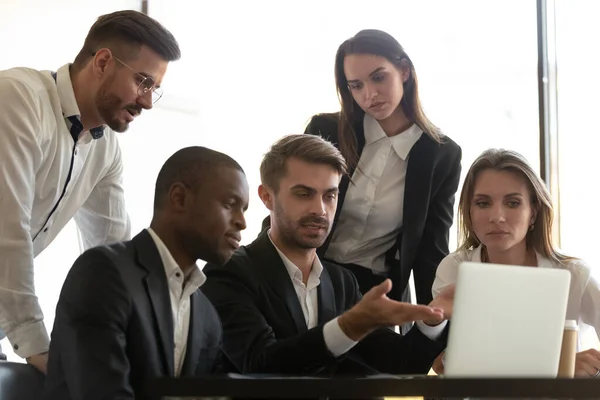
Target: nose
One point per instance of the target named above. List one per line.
(318, 206)
(240, 221)
(370, 92)
(497, 213)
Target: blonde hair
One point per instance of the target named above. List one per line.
(540, 238)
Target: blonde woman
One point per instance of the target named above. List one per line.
(505, 217)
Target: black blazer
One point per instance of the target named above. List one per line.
(113, 330)
(264, 330)
(432, 177)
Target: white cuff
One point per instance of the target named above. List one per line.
(335, 339)
(29, 339)
(432, 332)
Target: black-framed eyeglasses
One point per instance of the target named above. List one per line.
(146, 85)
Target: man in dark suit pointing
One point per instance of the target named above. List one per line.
(285, 311)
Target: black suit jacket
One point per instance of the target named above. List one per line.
(264, 330)
(432, 177)
(113, 330)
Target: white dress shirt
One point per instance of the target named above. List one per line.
(372, 213)
(180, 291)
(38, 156)
(335, 339)
(584, 294)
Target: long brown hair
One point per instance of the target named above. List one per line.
(379, 43)
(540, 238)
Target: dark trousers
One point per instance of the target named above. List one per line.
(365, 277)
(367, 280)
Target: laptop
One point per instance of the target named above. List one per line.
(507, 321)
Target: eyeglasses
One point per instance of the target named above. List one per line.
(146, 85)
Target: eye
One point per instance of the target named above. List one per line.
(331, 197)
(514, 203)
(355, 86)
(378, 78)
(146, 83)
(482, 203)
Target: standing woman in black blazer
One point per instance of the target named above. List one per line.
(395, 215)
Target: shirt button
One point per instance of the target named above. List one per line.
(16, 347)
(45, 229)
(75, 152)
(177, 274)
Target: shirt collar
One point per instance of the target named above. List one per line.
(542, 262)
(196, 278)
(68, 103)
(294, 271)
(402, 142)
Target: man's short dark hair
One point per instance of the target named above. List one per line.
(190, 166)
(124, 32)
(309, 148)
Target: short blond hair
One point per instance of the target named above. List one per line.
(309, 148)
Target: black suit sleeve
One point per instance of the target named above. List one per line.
(248, 339)
(89, 335)
(434, 242)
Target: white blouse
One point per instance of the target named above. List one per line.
(371, 216)
(584, 294)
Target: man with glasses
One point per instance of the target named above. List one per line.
(60, 159)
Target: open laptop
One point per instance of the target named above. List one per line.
(507, 321)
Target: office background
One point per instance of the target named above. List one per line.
(518, 74)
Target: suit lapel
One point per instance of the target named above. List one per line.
(326, 300)
(158, 292)
(275, 274)
(196, 335)
(417, 191)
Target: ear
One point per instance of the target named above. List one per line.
(534, 213)
(179, 197)
(404, 69)
(266, 196)
(101, 61)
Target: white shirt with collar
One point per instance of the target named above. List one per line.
(335, 339)
(584, 294)
(372, 213)
(38, 156)
(180, 291)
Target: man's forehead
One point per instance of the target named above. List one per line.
(229, 179)
(149, 63)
